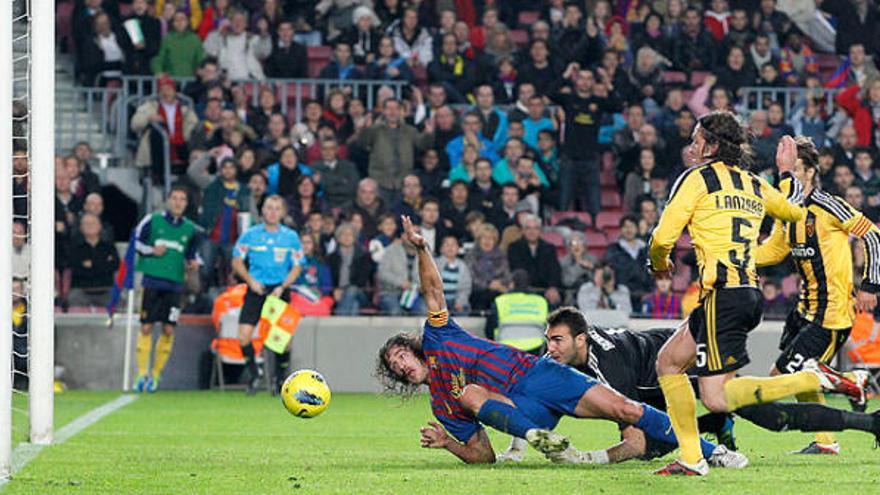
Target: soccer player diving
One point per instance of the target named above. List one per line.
(722, 204)
(474, 382)
(625, 360)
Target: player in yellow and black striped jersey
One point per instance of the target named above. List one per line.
(819, 246)
(722, 205)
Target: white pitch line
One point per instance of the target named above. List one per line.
(26, 452)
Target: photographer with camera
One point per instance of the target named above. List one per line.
(604, 293)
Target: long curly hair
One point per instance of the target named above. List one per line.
(394, 383)
(723, 128)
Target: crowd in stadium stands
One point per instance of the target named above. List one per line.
(535, 136)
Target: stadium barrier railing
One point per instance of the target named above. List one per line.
(87, 114)
(758, 98)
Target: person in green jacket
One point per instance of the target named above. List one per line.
(181, 50)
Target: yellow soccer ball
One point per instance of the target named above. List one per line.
(305, 394)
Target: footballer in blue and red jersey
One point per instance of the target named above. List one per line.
(476, 382)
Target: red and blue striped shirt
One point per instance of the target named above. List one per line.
(456, 358)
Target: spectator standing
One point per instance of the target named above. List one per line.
(93, 263)
(393, 145)
(412, 41)
(166, 244)
(693, 48)
(338, 178)
(146, 46)
(288, 59)
(223, 199)
(456, 73)
(107, 54)
(238, 52)
(351, 269)
(363, 36)
(584, 113)
(538, 258)
(176, 119)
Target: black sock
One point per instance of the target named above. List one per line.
(858, 421)
(777, 416)
(712, 422)
(280, 374)
(249, 362)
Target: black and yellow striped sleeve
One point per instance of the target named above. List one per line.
(855, 223)
(787, 206)
(687, 191)
(775, 248)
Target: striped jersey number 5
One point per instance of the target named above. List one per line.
(736, 236)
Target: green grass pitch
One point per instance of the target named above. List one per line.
(211, 442)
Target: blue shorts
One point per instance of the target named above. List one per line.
(549, 391)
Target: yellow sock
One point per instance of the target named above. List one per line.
(681, 405)
(747, 390)
(823, 437)
(142, 353)
(163, 351)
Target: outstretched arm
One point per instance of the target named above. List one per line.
(429, 277)
(476, 450)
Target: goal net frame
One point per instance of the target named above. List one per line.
(38, 123)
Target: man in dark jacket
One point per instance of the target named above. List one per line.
(456, 73)
(93, 263)
(338, 178)
(538, 258)
(223, 199)
(628, 258)
(693, 48)
(288, 59)
(146, 47)
(351, 269)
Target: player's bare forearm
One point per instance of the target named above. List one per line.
(632, 446)
(429, 276)
(478, 450)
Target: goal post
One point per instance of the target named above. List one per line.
(6, 83)
(41, 145)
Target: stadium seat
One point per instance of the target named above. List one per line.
(529, 17)
(612, 234)
(697, 78)
(674, 77)
(606, 219)
(520, 37)
(558, 216)
(595, 239)
(556, 239)
(611, 199)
